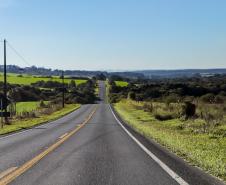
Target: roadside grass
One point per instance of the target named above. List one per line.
(107, 86)
(97, 90)
(199, 149)
(29, 79)
(121, 83)
(29, 122)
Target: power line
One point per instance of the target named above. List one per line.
(18, 54)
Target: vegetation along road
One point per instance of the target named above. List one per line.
(91, 146)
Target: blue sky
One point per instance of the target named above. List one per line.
(115, 34)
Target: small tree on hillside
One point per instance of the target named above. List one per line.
(131, 95)
(72, 84)
(188, 110)
(42, 104)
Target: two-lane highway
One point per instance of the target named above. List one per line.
(20, 147)
(100, 153)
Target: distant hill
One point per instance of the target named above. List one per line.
(180, 73)
(153, 74)
(33, 70)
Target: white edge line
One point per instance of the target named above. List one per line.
(29, 129)
(175, 176)
(20, 132)
(17, 133)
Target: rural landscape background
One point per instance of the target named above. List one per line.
(185, 113)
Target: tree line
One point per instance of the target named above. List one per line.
(52, 91)
(207, 89)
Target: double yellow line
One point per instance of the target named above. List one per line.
(19, 171)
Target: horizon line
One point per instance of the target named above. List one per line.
(123, 70)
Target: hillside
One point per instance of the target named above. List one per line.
(153, 74)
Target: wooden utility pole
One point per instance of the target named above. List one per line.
(5, 83)
(63, 90)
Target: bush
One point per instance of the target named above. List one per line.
(208, 98)
(148, 107)
(42, 104)
(173, 98)
(209, 122)
(188, 110)
(114, 98)
(219, 99)
(224, 108)
(72, 84)
(163, 117)
(26, 114)
(131, 95)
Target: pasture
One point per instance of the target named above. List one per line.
(28, 106)
(121, 83)
(29, 79)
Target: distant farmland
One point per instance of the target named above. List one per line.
(121, 83)
(28, 79)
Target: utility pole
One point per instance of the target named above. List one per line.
(5, 82)
(63, 91)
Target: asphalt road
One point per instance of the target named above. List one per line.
(100, 153)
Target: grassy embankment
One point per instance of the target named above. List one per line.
(29, 79)
(186, 138)
(18, 124)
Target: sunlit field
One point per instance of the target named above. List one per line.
(29, 79)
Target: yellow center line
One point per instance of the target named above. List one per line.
(63, 135)
(19, 171)
(6, 172)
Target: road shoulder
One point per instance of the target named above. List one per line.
(192, 174)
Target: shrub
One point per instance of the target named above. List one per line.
(173, 98)
(224, 108)
(42, 104)
(131, 95)
(219, 99)
(72, 84)
(32, 114)
(47, 111)
(26, 114)
(212, 118)
(148, 107)
(188, 110)
(114, 97)
(163, 117)
(208, 98)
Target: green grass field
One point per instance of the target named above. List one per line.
(121, 83)
(28, 79)
(29, 122)
(199, 149)
(27, 106)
